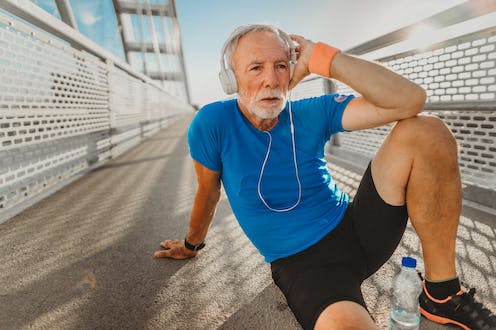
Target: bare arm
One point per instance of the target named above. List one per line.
(385, 95)
(206, 199)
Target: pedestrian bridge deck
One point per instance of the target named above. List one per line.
(82, 258)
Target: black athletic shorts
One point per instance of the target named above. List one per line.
(333, 269)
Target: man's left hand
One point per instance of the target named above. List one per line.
(174, 249)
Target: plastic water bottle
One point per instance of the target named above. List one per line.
(405, 313)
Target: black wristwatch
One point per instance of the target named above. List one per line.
(193, 247)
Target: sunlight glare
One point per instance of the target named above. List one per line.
(422, 35)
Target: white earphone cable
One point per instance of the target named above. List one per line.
(295, 165)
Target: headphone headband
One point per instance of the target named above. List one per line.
(226, 75)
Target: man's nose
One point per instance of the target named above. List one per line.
(271, 78)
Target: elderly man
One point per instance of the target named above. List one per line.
(268, 153)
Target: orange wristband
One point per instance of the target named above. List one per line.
(321, 59)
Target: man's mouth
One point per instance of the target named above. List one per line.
(270, 99)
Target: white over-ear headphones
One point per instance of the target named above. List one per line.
(226, 74)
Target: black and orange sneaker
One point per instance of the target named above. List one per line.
(460, 309)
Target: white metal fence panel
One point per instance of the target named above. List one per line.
(462, 70)
(62, 110)
(475, 132)
(48, 91)
(127, 98)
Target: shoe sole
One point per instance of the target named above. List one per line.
(440, 319)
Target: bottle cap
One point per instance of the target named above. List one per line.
(409, 262)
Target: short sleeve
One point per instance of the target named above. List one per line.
(335, 106)
(203, 141)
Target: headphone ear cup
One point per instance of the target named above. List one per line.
(228, 81)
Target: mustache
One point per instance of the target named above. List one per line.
(269, 94)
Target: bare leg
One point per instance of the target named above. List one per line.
(345, 315)
(418, 164)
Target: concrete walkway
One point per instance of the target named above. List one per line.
(82, 258)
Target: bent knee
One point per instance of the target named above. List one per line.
(425, 130)
(345, 315)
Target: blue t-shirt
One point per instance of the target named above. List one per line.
(222, 139)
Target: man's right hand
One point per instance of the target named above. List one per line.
(174, 249)
(304, 50)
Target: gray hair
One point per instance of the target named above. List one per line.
(232, 42)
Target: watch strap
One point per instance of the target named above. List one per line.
(193, 247)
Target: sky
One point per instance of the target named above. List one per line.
(205, 24)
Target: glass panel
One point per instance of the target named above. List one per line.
(137, 61)
(157, 24)
(151, 62)
(136, 28)
(170, 62)
(49, 6)
(96, 20)
(147, 32)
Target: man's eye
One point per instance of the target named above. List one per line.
(255, 68)
(282, 66)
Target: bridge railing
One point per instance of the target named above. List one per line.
(66, 105)
(458, 71)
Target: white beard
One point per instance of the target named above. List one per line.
(264, 112)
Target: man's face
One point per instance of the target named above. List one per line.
(261, 64)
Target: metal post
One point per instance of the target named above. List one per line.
(155, 42)
(175, 21)
(66, 14)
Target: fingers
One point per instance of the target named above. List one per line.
(174, 249)
(304, 49)
(162, 254)
(175, 253)
(296, 38)
(302, 42)
(170, 243)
